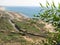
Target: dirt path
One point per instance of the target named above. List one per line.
(13, 26)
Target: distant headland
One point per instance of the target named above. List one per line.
(2, 8)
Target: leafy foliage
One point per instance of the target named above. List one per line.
(51, 14)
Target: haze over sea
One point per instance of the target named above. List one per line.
(28, 11)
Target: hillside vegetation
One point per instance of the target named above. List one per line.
(16, 29)
(22, 31)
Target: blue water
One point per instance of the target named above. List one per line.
(28, 11)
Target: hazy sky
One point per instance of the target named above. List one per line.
(25, 2)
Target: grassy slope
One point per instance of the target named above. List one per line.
(7, 36)
(5, 24)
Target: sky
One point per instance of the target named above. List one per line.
(25, 2)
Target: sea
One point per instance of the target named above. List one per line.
(28, 11)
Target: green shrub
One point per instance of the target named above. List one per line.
(51, 14)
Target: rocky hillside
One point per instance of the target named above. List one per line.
(16, 29)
